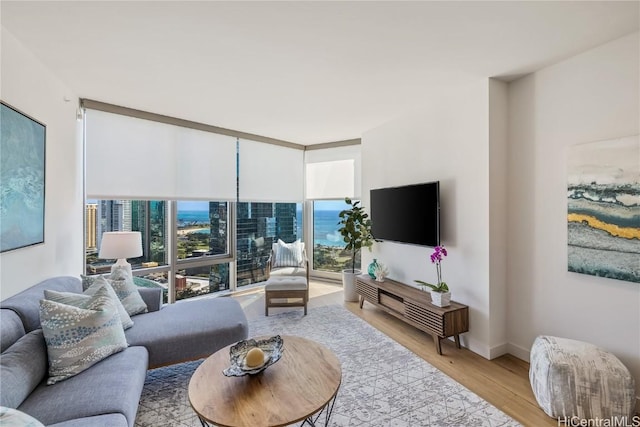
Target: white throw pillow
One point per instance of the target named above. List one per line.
(289, 254)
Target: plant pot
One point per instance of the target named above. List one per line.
(349, 285)
(441, 299)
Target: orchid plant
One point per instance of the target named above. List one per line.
(439, 252)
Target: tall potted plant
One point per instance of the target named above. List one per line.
(355, 229)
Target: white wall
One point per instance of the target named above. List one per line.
(29, 87)
(446, 141)
(498, 214)
(590, 97)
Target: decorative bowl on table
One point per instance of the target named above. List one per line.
(271, 347)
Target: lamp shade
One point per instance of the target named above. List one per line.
(120, 244)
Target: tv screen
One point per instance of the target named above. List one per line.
(407, 214)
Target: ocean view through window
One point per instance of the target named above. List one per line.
(201, 232)
(328, 246)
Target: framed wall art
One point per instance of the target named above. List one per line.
(22, 179)
(604, 208)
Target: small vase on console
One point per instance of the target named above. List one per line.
(380, 272)
(441, 299)
(372, 268)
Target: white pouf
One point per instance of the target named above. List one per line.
(572, 378)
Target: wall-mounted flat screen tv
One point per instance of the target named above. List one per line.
(407, 214)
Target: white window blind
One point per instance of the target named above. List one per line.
(330, 180)
(134, 158)
(270, 173)
(332, 173)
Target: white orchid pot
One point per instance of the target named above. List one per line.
(441, 299)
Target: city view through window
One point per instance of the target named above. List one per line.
(202, 234)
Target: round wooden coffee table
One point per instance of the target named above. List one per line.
(301, 386)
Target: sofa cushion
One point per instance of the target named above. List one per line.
(124, 287)
(11, 328)
(22, 368)
(288, 254)
(77, 338)
(189, 330)
(111, 386)
(81, 300)
(27, 302)
(288, 271)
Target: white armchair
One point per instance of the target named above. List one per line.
(288, 276)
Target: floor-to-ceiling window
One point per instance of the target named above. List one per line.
(331, 175)
(191, 246)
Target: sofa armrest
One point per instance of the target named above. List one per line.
(152, 297)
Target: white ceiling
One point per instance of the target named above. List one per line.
(305, 72)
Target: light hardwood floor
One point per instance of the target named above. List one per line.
(504, 381)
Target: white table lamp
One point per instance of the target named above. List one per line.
(121, 245)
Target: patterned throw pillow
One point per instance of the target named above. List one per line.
(81, 300)
(125, 289)
(288, 254)
(78, 338)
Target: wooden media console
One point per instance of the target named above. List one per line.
(414, 307)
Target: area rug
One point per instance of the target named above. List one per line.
(383, 383)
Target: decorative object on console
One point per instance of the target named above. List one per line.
(22, 178)
(372, 268)
(355, 228)
(120, 245)
(380, 272)
(603, 194)
(440, 294)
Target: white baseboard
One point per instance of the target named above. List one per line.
(476, 346)
(519, 352)
(498, 350)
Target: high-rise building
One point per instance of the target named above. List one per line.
(111, 217)
(259, 225)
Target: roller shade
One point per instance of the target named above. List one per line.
(270, 173)
(330, 180)
(134, 158)
(332, 173)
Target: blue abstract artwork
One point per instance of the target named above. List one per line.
(22, 179)
(604, 209)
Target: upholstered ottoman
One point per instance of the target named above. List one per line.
(572, 378)
(286, 288)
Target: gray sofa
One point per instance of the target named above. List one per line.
(106, 394)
